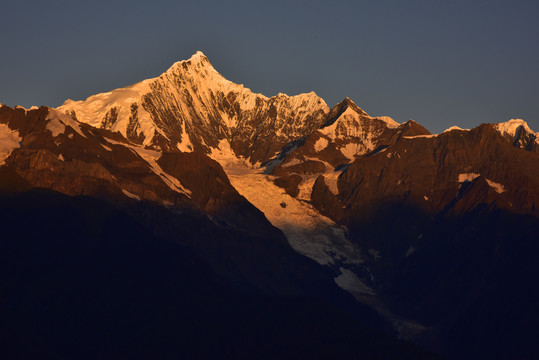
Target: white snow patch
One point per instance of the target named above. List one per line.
(454, 128)
(350, 282)
(9, 140)
(61, 157)
(467, 177)
(496, 186)
(321, 144)
(131, 195)
(185, 145)
(420, 136)
(426, 198)
(106, 147)
(499, 188)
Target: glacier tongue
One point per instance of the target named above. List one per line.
(307, 231)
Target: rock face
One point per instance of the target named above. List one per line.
(423, 231)
(432, 173)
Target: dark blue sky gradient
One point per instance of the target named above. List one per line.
(441, 63)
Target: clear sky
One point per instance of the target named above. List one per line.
(441, 63)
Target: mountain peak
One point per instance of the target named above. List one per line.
(413, 128)
(199, 58)
(198, 61)
(348, 103)
(198, 54)
(341, 108)
(519, 132)
(510, 127)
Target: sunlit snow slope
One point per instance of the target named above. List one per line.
(193, 107)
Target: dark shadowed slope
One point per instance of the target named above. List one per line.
(82, 279)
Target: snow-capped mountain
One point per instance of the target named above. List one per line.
(520, 133)
(384, 210)
(191, 107)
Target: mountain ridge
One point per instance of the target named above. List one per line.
(362, 199)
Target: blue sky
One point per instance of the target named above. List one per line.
(441, 63)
